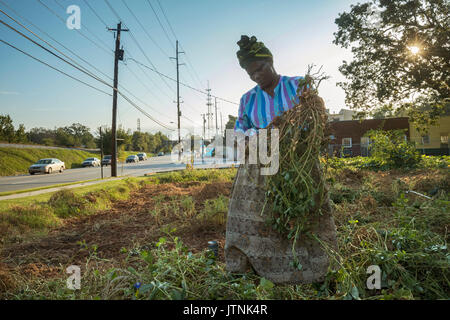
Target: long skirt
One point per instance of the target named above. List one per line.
(250, 241)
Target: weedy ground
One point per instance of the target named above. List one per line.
(146, 238)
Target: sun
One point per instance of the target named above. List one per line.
(414, 49)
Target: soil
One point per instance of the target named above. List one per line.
(128, 224)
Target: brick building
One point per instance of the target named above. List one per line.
(347, 136)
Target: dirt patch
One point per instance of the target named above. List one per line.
(6, 280)
(135, 222)
(40, 270)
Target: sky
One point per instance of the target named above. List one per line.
(297, 32)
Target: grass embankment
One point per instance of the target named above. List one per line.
(15, 161)
(152, 245)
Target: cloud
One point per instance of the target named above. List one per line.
(9, 92)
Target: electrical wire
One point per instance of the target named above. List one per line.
(137, 43)
(110, 52)
(54, 68)
(145, 30)
(49, 36)
(85, 72)
(159, 21)
(188, 86)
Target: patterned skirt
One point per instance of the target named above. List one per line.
(251, 242)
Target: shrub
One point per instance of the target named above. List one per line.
(392, 149)
(65, 203)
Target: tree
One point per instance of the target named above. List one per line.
(20, 135)
(42, 136)
(139, 141)
(63, 137)
(82, 135)
(6, 128)
(231, 122)
(401, 51)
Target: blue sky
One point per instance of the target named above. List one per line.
(297, 32)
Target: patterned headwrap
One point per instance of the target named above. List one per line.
(250, 51)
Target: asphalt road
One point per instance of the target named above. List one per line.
(154, 164)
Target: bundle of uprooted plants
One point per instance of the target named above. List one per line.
(296, 193)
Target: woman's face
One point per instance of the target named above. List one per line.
(261, 72)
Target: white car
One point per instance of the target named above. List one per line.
(47, 166)
(91, 162)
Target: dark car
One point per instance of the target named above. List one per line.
(132, 158)
(106, 160)
(160, 154)
(142, 156)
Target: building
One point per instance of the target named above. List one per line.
(347, 137)
(435, 142)
(343, 115)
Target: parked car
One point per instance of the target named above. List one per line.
(106, 160)
(160, 154)
(132, 158)
(142, 156)
(91, 162)
(47, 166)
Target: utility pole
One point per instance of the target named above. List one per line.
(221, 123)
(209, 113)
(101, 151)
(178, 98)
(203, 142)
(215, 106)
(139, 125)
(117, 56)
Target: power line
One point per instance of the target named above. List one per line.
(145, 30)
(72, 59)
(54, 54)
(31, 23)
(136, 42)
(176, 38)
(188, 86)
(159, 21)
(92, 33)
(63, 21)
(56, 69)
(98, 16)
(85, 72)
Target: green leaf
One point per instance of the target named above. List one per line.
(266, 284)
(355, 293)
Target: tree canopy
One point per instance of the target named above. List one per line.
(401, 56)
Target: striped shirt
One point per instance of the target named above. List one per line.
(257, 108)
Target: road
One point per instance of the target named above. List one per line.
(154, 164)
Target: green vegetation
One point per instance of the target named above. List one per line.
(373, 163)
(17, 160)
(393, 43)
(210, 175)
(378, 223)
(7, 193)
(42, 212)
(78, 135)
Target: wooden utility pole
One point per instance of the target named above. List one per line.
(215, 106)
(101, 151)
(118, 56)
(178, 97)
(203, 140)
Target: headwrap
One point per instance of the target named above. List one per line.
(250, 51)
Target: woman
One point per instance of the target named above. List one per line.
(250, 242)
